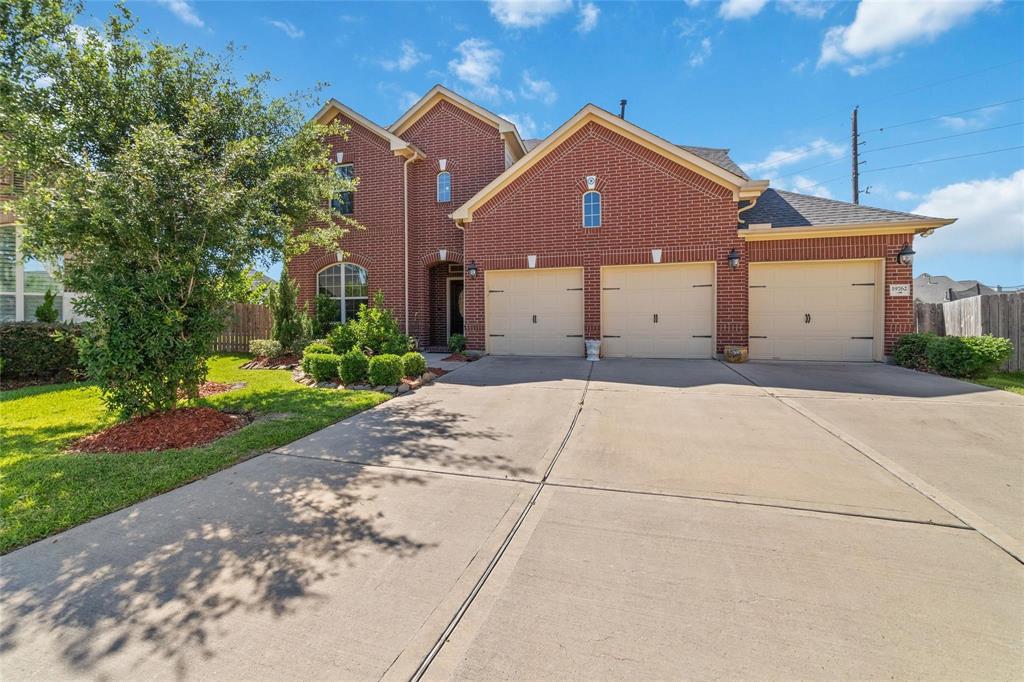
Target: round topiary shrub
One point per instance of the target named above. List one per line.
(414, 364)
(354, 366)
(321, 366)
(385, 370)
(318, 347)
(265, 348)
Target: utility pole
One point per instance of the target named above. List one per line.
(855, 154)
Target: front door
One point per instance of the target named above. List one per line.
(455, 306)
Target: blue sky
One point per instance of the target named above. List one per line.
(773, 81)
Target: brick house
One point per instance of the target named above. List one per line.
(603, 230)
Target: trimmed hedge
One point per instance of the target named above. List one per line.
(316, 347)
(969, 357)
(354, 366)
(414, 364)
(321, 366)
(265, 348)
(385, 370)
(40, 350)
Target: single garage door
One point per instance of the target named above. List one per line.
(658, 311)
(822, 310)
(535, 312)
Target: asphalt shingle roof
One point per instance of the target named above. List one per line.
(719, 157)
(789, 209)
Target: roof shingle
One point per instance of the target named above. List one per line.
(789, 209)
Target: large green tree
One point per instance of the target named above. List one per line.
(161, 177)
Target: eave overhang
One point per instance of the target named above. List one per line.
(847, 230)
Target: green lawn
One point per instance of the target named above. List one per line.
(44, 490)
(1007, 381)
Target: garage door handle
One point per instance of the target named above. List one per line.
(700, 286)
(495, 291)
(610, 288)
(575, 289)
(610, 336)
(758, 286)
(863, 338)
(574, 336)
(535, 319)
(807, 318)
(655, 318)
(702, 336)
(493, 335)
(757, 337)
(863, 284)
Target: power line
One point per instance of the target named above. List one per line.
(944, 137)
(944, 80)
(953, 113)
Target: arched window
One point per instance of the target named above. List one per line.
(592, 209)
(346, 284)
(444, 186)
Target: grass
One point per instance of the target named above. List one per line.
(1007, 381)
(44, 490)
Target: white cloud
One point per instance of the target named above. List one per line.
(810, 9)
(740, 9)
(784, 157)
(477, 65)
(904, 195)
(702, 52)
(527, 13)
(409, 58)
(537, 89)
(183, 10)
(688, 27)
(589, 13)
(524, 122)
(289, 29)
(407, 98)
(979, 119)
(990, 217)
(806, 185)
(882, 26)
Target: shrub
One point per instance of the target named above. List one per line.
(265, 348)
(47, 311)
(910, 350)
(321, 366)
(318, 346)
(967, 356)
(414, 364)
(376, 330)
(342, 338)
(456, 343)
(36, 350)
(385, 369)
(287, 323)
(327, 315)
(354, 366)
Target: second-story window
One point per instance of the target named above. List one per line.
(444, 186)
(346, 201)
(592, 209)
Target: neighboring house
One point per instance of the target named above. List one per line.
(23, 281)
(939, 288)
(604, 231)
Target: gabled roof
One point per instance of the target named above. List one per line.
(789, 213)
(719, 157)
(506, 128)
(741, 186)
(399, 146)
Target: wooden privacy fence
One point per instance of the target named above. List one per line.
(995, 314)
(247, 321)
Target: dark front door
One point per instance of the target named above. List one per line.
(455, 306)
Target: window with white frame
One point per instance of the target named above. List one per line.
(444, 187)
(345, 284)
(23, 281)
(592, 209)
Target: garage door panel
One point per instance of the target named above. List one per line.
(676, 293)
(535, 312)
(813, 311)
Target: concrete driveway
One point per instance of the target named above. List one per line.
(552, 519)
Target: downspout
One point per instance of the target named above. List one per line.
(405, 200)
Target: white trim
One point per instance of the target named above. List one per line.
(583, 209)
(344, 298)
(437, 187)
(399, 146)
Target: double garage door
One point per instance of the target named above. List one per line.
(822, 310)
(652, 311)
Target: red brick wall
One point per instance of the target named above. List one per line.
(378, 207)
(647, 202)
(475, 155)
(899, 311)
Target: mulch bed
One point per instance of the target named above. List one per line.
(459, 357)
(183, 428)
(437, 371)
(281, 362)
(214, 387)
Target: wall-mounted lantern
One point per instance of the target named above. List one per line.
(905, 256)
(734, 259)
(471, 269)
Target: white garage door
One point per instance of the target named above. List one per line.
(658, 311)
(535, 312)
(823, 310)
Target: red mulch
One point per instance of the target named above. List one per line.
(281, 362)
(182, 428)
(459, 357)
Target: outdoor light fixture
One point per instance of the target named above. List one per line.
(471, 269)
(734, 259)
(905, 256)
